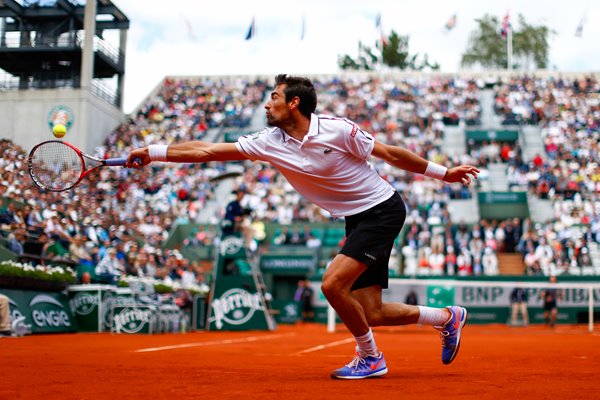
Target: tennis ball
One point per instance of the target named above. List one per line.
(59, 130)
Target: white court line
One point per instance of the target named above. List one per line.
(325, 346)
(213, 343)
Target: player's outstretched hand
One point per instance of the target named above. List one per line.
(463, 174)
(137, 155)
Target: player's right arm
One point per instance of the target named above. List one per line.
(188, 152)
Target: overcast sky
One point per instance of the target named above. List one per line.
(199, 37)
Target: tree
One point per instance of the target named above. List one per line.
(488, 48)
(393, 53)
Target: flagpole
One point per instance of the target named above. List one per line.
(509, 48)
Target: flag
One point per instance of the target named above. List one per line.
(190, 29)
(251, 30)
(302, 28)
(579, 30)
(383, 40)
(451, 23)
(505, 25)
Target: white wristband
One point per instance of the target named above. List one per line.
(436, 171)
(157, 152)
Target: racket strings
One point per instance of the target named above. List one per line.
(55, 166)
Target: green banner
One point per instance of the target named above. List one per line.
(236, 302)
(232, 137)
(89, 304)
(287, 265)
(498, 136)
(135, 318)
(288, 311)
(233, 307)
(502, 197)
(46, 312)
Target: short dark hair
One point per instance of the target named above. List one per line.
(301, 87)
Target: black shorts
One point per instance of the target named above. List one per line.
(549, 305)
(370, 237)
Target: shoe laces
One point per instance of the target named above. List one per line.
(443, 336)
(356, 361)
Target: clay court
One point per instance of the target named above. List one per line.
(294, 362)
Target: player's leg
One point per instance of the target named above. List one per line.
(553, 315)
(449, 321)
(337, 283)
(4, 316)
(548, 307)
(514, 314)
(524, 313)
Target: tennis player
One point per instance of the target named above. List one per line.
(326, 160)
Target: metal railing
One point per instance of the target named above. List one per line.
(36, 40)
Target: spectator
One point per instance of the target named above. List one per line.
(16, 240)
(306, 301)
(518, 301)
(411, 298)
(550, 297)
(109, 269)
(4, 317)
(490, 262)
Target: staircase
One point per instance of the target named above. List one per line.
(497, 180)
(511, 264)
(454, 141)
(464, 210)
(489, 119)
(540, 210)
(532, 142)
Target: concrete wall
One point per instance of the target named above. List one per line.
(24, 116)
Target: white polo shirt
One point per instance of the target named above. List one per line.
(329, 167)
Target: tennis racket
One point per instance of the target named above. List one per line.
(57, 166)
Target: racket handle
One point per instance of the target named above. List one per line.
(115, 162)
(119, 162)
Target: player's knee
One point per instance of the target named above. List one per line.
(374, 317)
(331, 287)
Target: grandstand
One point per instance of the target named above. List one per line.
(531, 214)
(534, 212)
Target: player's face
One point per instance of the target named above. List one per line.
(278, 111)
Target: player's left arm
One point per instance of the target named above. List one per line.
(409, 161)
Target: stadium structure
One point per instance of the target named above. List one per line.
(533, 213)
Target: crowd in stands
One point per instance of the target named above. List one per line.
(116, 222)
(568, 114)
(434, 246)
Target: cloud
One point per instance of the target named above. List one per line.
(160, 43)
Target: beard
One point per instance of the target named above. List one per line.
(272, 121)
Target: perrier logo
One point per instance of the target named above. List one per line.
(131, 320)
(235, 307)
(84, 303)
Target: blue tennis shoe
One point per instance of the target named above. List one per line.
(450, 333)
(362, 367)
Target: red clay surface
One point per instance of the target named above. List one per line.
(494, 362)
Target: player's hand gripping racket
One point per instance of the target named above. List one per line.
(58, 166)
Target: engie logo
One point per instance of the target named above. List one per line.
(47, 311)
(131, 320)
(84, 303)
(15, 313)
(235, 307)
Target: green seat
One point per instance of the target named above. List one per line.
(333, 237)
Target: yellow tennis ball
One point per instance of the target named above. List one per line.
(59, 130)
